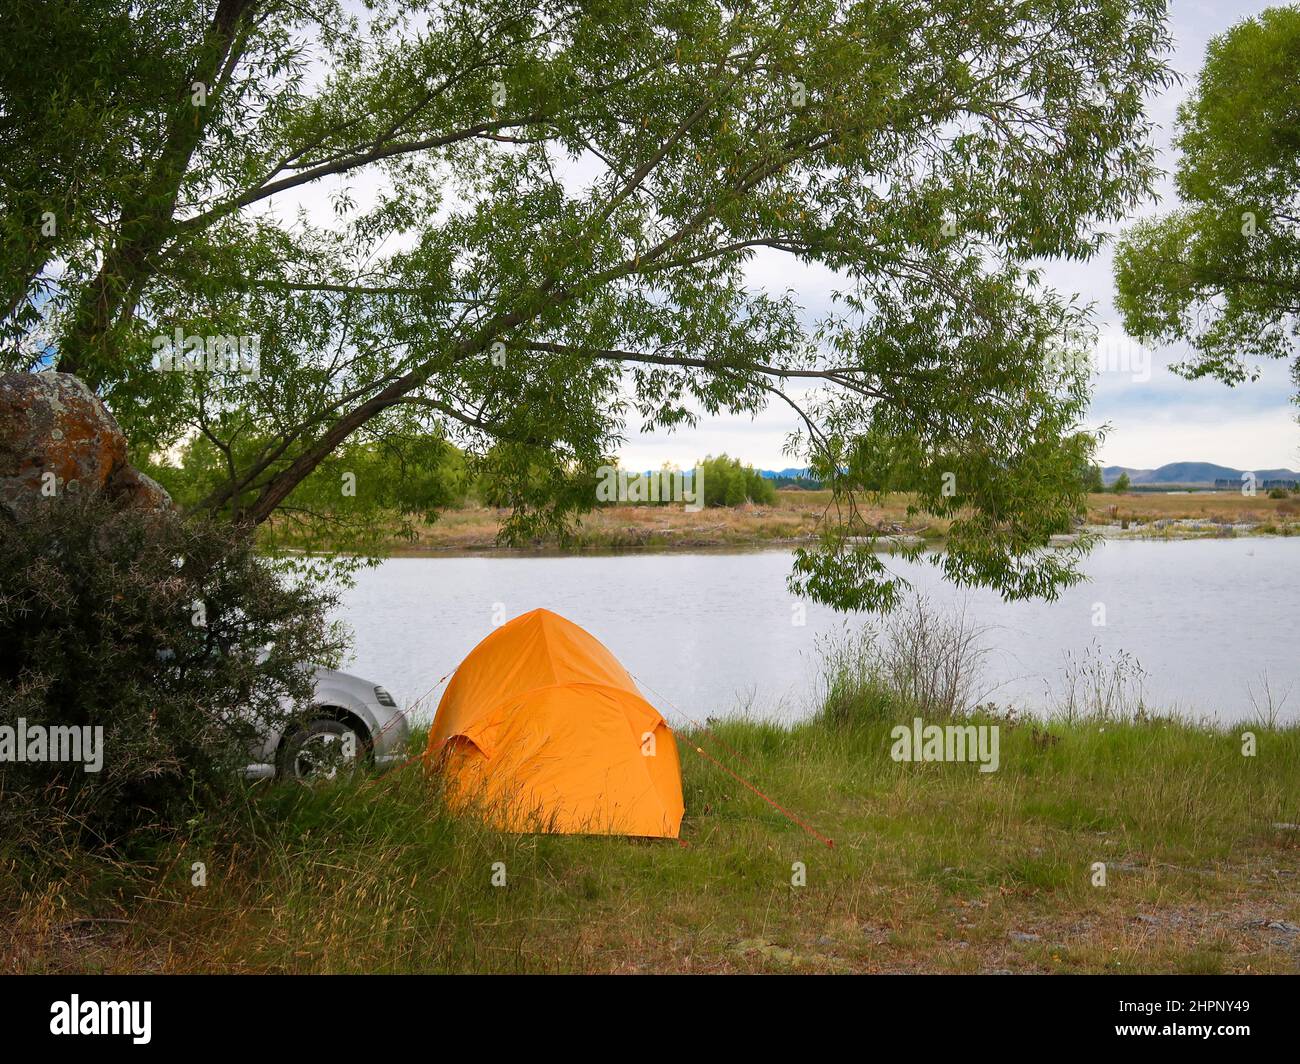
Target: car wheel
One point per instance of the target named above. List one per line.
(322, 750)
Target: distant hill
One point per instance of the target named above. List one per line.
(1191, 473)
(790, 478)
(1203, 474)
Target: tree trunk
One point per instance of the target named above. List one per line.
(85, 350)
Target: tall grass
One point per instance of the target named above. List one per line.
(933, 864)
(919, 660)
(1096, 687)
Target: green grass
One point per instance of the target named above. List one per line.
(936, 867)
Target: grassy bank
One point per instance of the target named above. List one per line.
(936, 867)
(796, 515)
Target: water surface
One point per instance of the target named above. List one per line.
(711, 634)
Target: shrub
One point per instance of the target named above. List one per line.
(728, 483)
(933, 659)
(920, 661)
(170, 635)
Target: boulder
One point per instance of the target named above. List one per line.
(51, 423)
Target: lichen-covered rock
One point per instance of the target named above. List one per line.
(56, 437)
(134, 488)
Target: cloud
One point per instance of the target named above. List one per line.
(1197, 434)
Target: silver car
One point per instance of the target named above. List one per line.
(351, 721)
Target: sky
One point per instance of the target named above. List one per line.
(1151, 418)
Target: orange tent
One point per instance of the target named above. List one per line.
(544, 730)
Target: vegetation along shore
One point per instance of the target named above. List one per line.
(796, 516)
(1073, 856)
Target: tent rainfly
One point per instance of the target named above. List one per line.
(543, 730)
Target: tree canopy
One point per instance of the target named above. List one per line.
(543, 216)
(1222, 273)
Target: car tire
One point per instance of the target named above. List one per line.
(318, 752)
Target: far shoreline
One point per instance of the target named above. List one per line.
(793, 521)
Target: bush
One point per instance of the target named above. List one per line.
(728, 483)
(171, 636)
(920, 660)
(1278, 493)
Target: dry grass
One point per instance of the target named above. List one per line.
(796, 517)
(630, 527)
(1205, 506)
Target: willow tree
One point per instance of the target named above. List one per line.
(544, 221)
(1221, 273)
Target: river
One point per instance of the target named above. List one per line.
(716, 634)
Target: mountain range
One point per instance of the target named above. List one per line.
(784, 474)
(1173, 473)
(1191, 473)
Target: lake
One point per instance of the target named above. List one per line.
(716, 634)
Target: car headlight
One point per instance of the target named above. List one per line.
(384, 698)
